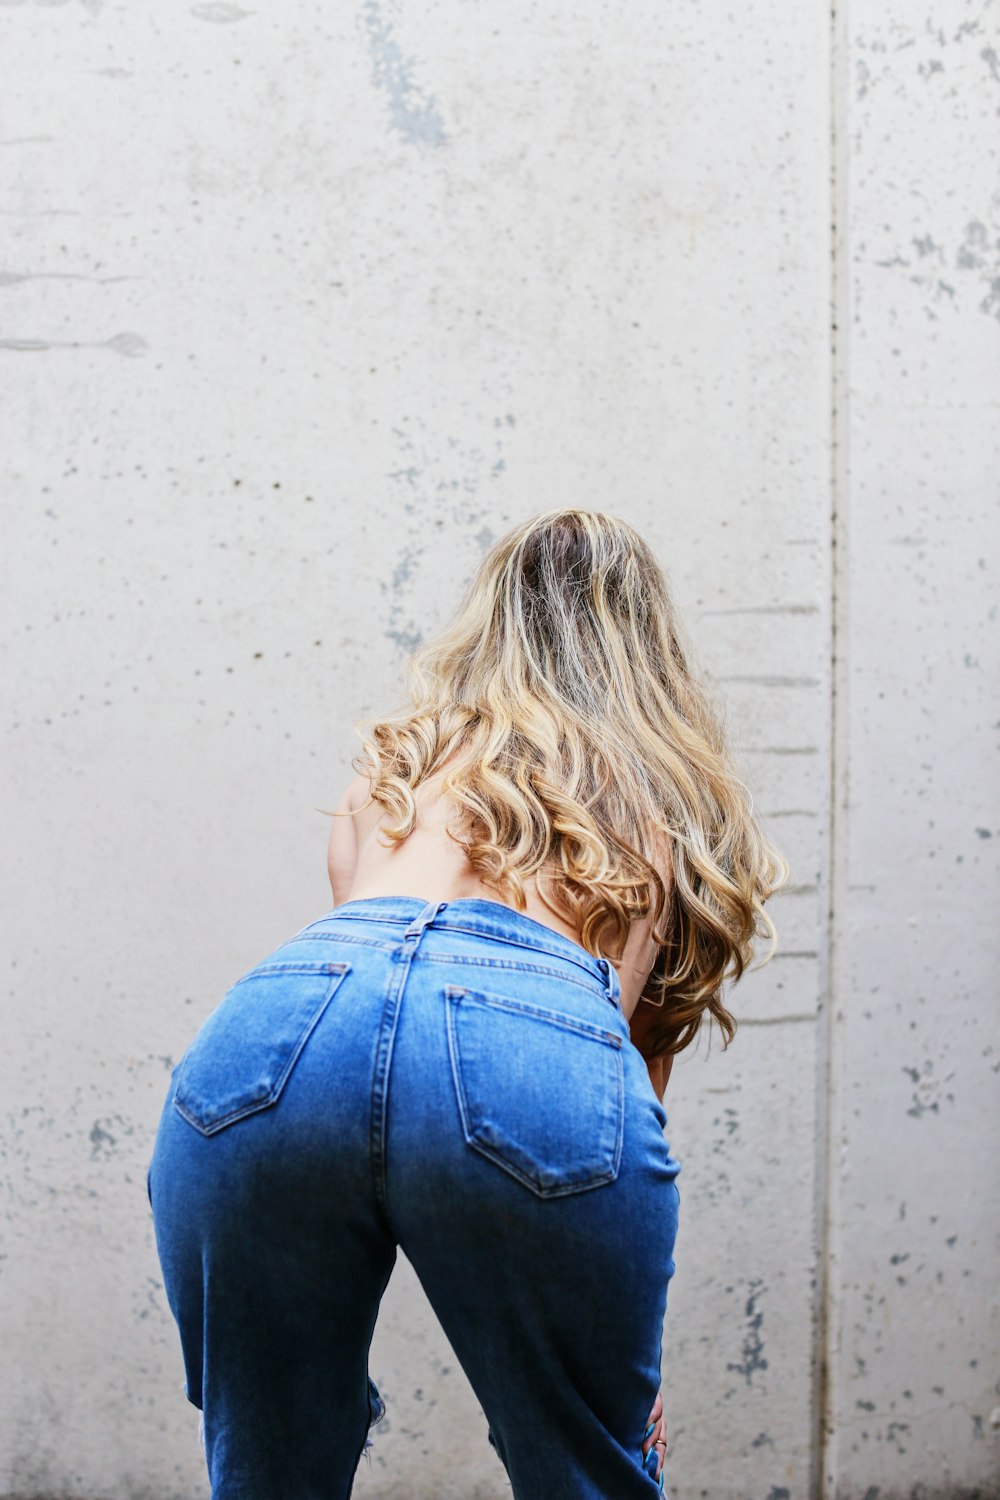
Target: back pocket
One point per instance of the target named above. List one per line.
(244, 1054)
(540, 1093)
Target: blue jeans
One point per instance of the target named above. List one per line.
(456, 1079)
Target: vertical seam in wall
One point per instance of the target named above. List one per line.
(823, 1484)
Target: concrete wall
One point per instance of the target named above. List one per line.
(299, 309)
(914, 1194)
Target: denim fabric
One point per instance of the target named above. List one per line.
(455, 1079)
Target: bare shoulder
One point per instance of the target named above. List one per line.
(342, 849)
(355, 794)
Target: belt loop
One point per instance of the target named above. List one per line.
(612, 982)
(424, 918)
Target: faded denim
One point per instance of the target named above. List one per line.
(455, 1079)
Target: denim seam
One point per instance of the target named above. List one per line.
(342, 937)
(496, 937)
(487, 963)
(502, 937)
(293, 966)
(524, 1007)
(521, 968)
(380, 1080)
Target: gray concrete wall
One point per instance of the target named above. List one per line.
(914, 1195)
(301, 308)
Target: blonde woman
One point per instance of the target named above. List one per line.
(542, 875)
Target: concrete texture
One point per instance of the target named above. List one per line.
(300, 308)
(913, 1397)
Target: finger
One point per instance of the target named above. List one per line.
(653, 1462)
(655, 1432)
(655, 1416)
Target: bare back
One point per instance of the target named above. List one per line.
(431, 864)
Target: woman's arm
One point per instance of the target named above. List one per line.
(659, 1069)
(659, 1072)
(342, 850)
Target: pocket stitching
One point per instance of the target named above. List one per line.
(336, 972)
(555, 1018)
(455, 994)
(294, 966)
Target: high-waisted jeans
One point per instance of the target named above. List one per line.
(456, 1079)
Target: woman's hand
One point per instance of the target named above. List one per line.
(655, 1440)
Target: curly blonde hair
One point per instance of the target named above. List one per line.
(579, 747)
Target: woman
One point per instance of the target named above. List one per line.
(542, 875)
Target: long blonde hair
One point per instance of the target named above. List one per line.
(579, 746)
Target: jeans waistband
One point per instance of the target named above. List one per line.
(490, 919)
